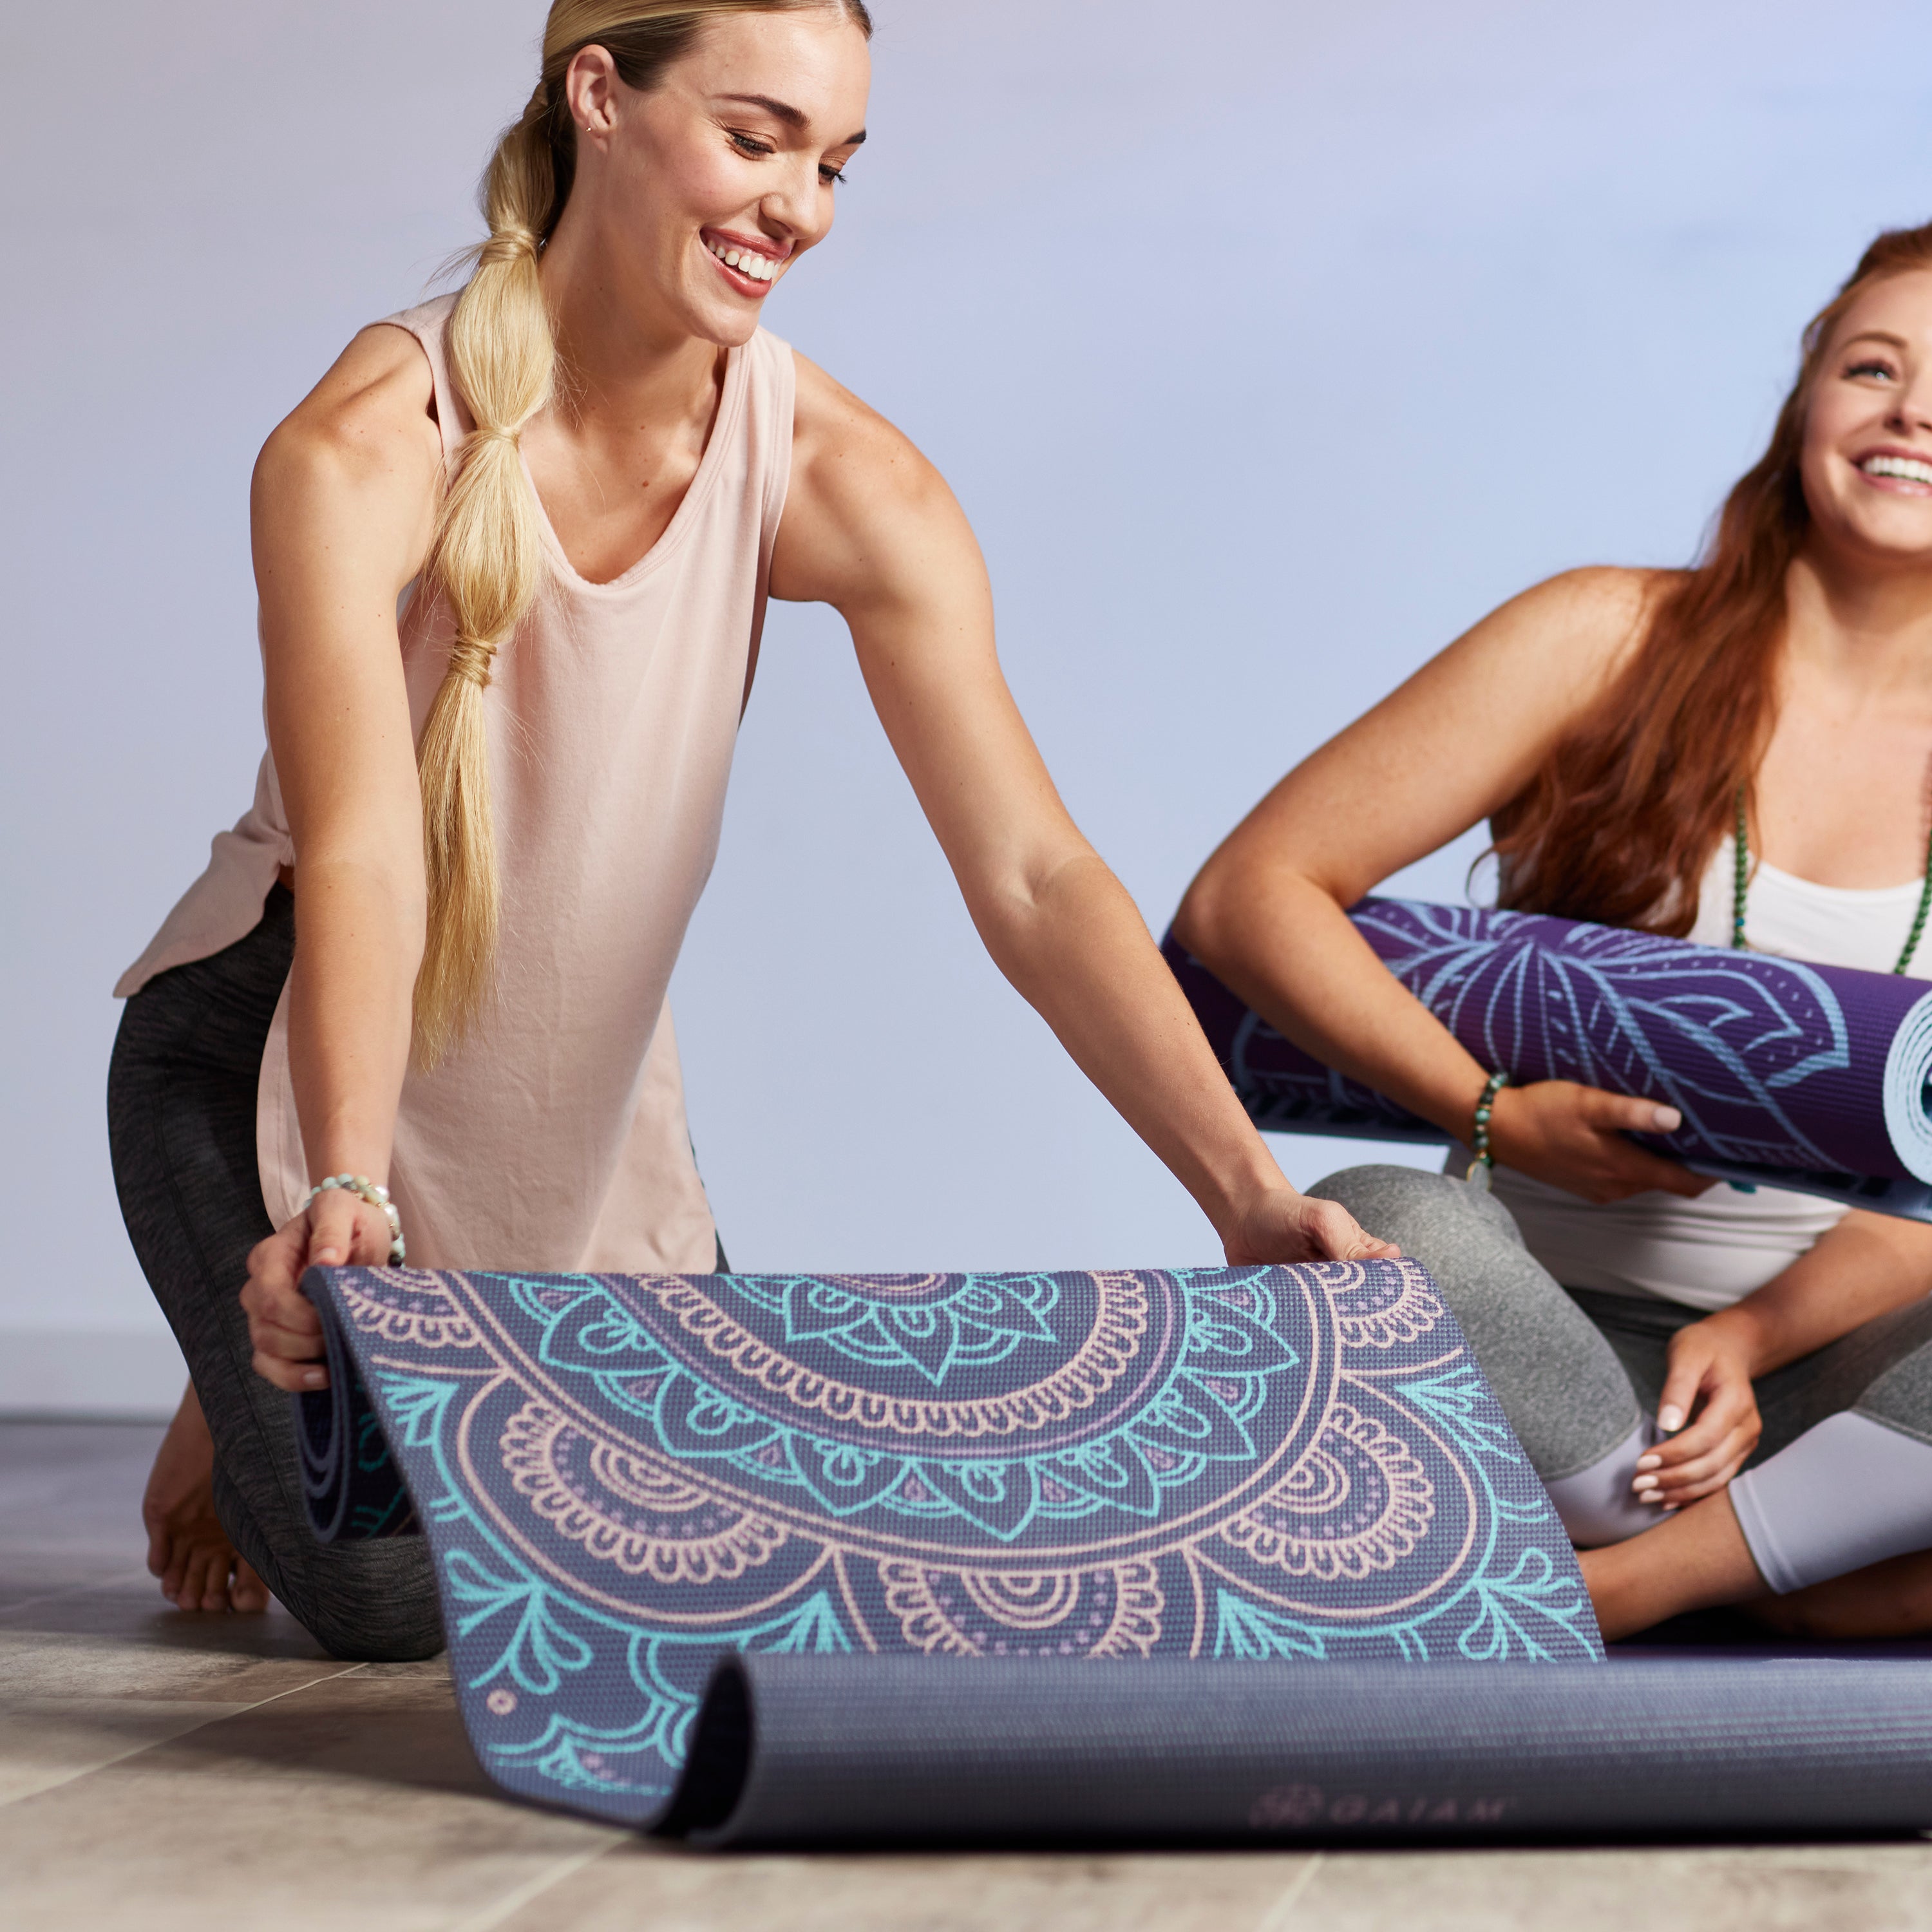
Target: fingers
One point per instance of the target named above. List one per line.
(1681, 1381)
(297, 1377)
(283, 1324)
(1334, 1234)
(1705, 1472)
(1629, 1115)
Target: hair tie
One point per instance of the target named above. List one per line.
(470, 658)
(506, 245)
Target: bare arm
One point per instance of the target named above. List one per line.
(1458, 740)
(343, 502)
(871, 529)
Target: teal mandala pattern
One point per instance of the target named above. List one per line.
(622, 1475)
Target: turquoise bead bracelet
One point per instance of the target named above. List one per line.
(1479, 1143)
(375, 1195)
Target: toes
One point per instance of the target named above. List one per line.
(248, 1591)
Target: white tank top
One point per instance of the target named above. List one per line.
(1711, 1252)
(554, 1139)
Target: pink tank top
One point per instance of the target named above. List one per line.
(555, 1137)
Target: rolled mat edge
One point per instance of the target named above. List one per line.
(795, 1749)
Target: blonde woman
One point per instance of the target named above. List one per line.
(432, 957)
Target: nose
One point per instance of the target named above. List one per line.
(795, 206)
(1912, 405)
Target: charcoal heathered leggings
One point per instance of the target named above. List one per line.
(180, 1118)
(1842, 1476)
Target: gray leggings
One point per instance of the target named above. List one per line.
(1843, 1476)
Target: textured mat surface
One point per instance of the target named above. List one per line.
(1791, 1074)
(803, 1749)
(625, 1477)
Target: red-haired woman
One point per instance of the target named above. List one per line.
(1619, 729)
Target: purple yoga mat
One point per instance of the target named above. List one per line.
(1788, 1074)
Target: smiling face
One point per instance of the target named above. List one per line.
(697, 196)
(1867, 451)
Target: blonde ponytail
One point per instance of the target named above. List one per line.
(486, 558)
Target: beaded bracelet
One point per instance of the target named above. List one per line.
(375, 1195)
(1479, 1143)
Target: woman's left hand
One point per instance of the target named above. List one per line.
(1709, 1385)
(1280, 1225)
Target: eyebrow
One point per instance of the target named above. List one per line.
(1876, 335)
(793, 117)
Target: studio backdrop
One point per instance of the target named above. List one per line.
(1266, 345)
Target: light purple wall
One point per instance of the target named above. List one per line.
(1267, 344)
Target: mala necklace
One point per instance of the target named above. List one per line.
(1741, 886)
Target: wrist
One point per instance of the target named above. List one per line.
(1735, 1331)
(1231, 1203)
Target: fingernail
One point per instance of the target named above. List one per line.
(313, 1379)
(1644, 1485)
(1668, 1119)
(1670, 1420)
(1649, 1461)
(324, 1257)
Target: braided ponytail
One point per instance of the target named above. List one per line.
(486, 557)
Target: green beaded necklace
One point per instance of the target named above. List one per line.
(1741, 886)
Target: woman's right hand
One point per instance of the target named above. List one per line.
(1576, 1137)
(337, 1229)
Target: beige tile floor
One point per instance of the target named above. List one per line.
(159, 1771)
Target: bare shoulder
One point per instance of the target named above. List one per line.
(864, 505)
(1592, 617)
(841, 442)
(370, 420)
(356, 467)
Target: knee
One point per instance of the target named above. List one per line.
(1430, 1216)
(376, 1633)
(372, 1602)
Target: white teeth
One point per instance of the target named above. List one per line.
(760, 268)
(1908, 469)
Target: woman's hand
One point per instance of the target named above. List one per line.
(1709, 1385)
(337, 1229)
(1576, 1138)
(1280, 1225)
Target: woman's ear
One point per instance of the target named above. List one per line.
(590, 87)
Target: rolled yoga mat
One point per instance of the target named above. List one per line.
(792, 1749)
(626, 1478)
(1787, 1074)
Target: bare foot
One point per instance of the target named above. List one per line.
(1892, 1599)
(187, 1548)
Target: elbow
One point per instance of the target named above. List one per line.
(1237, 900)
(1209, 919)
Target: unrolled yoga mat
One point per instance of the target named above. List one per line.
(1788, 1074)
(625, 1478)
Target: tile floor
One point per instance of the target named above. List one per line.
(159, 1771)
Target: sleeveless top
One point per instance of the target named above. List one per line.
(1712, 1251)
(554, 1139)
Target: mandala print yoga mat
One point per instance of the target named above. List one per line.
(624, 1476)
(1795, 1075)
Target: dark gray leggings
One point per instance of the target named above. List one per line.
(181, 1121)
